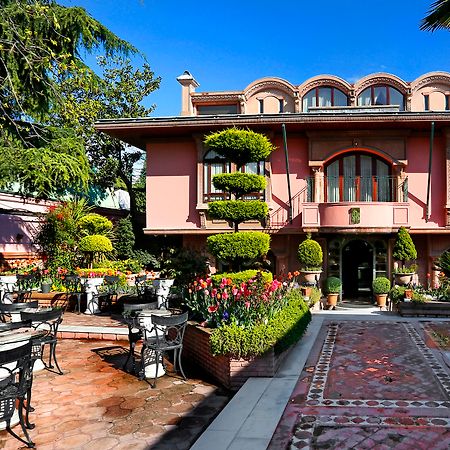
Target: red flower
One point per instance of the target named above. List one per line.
(212, 308)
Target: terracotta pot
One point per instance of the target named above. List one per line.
(409, 293)
(332, 299)
(381, 300)
(311, 276)
(306, 291)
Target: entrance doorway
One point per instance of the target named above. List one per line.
(357, 269)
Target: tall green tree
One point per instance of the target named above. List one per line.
(41, 42)
(438, 16)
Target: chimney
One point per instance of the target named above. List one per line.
(188, 85)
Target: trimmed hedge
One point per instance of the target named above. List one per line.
(240, 146)
(332, 285)
(381, 285)
(281, 331)
(93, 223)
(238, 211)
(95, 244)
(239, 183)
(404, 248)
(241, 277)
(310, 254)
(242, 245)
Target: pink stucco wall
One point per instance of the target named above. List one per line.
(172, 185)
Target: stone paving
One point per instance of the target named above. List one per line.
(380, 385)
(96, 405)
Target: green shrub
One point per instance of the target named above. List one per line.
(310, 254)
(332, 285)
(238, 211)
(95, 244)
(397, 293)
(240, 146)
(406, 269)
(125, 239)
(381, 285)
(93, 223)
(404, 249)
(314, 296)
(239, 183)
(443, 262)
(239, 246)
(281, 331)
(237, 278)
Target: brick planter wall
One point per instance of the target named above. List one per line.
(232, 373)
(53, 299)
(427, 309)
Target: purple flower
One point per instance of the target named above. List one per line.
(225, 315)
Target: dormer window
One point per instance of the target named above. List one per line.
(381, 95)
(324, 97)
(214, 110)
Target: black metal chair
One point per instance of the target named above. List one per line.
(48, 321)
(140, 285)
(111, 285)
(24, 286)
(7, 308)
(166, 334)
(73, 286)
(130, 315)
(15, 371)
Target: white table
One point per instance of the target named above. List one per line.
(145, 320)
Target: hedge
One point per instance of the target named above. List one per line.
(240, 146)
(242, 245)
(238, 278)
(93, 223)
(238, 211)
(281, 331)
(239, 183)
(95, 243)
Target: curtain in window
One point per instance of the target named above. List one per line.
(333, 182)
(365, 98)
(383, 182)
(349, 179)
(325, 97)
(366, 179)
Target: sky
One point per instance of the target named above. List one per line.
(226, 45)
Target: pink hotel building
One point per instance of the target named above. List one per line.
(357, 167)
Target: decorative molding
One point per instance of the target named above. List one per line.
(442, 78)
(273, 84)
(325, 82)
(198, 98)
(403, 87)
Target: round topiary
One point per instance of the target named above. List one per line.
(95, 243)
(240, 246)
(381, 285)
(404, 248)
(310, 255)
(93, 223)
(240, 146)
(239, 183)
(238, 211)
(332, 285)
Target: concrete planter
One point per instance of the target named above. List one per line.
(402, 279)
(231, 372)
(431, 309)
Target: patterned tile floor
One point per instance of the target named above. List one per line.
(371, 385)
(96, 405)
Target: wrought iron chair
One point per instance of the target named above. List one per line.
(24, 286)
(111, 283)
(72, 284)
(7, 309)
(48, 321)
(167, 333)
(140, 285)
(130, 315)
(15, 371)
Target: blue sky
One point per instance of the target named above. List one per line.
(228, 44)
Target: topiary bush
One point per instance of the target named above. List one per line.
(93, 223)
(94, 244)
(238, 278)
(310, 254)
(125, 238)
(240, 146)
(238, 211)
(381, 285)
(404, 248)
(332, 285)
(281, 331)
(443, 262)
(239, 183)
(237, 247)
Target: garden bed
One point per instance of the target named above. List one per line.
(431, 309)
(231, 372)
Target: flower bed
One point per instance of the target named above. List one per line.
(430, 309)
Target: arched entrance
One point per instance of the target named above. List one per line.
(357, 269)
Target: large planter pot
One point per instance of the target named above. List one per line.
(91, 288)
(310, 277)
(231, 372)
(403, 279)
(162, 289)
(381, 300)
(46, 288)
(332, 299)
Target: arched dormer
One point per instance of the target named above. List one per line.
(382, 89)
(323, 91)
(270, 95)
(431, 92)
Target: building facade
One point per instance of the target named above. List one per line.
(359, 161)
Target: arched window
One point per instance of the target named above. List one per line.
(381, 95)
(213, 164)
(359, 177)
(324, 96)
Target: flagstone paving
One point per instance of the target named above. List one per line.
(96, 405)
(371, 385)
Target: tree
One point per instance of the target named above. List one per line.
(40, 42)
(438, 16)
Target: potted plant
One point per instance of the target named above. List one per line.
(381, 287)
(46, 282)
(332, 288)
(404, 250)
(310, 256)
